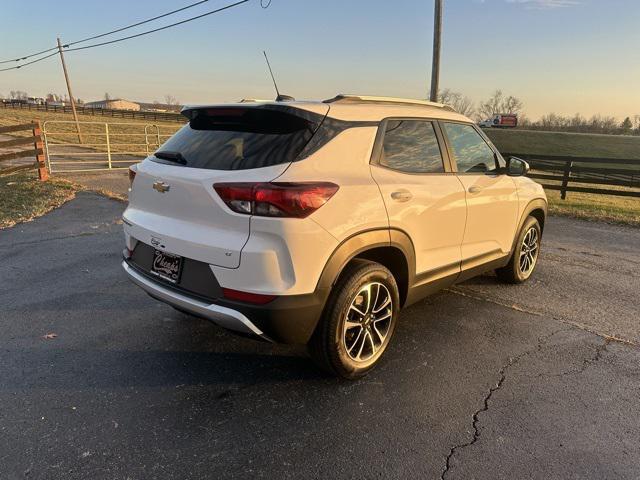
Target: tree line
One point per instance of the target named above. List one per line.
(579, 124)
(499, 103)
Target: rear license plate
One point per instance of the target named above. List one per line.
(167, 266)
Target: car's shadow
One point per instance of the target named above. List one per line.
(169, 348)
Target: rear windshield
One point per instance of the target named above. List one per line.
(238, 139)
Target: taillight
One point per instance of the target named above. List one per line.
(296, 200)
(132, 175)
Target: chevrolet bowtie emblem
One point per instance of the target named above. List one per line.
(161, 186)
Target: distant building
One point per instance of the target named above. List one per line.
(35, 101)
(115, 104)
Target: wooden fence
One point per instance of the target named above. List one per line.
(103, 112)
(589, 172)
(36, 150)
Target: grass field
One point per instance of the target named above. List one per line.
(123, 138)
(598, 207)
(23, 197)
(607, 208)
(565, 144)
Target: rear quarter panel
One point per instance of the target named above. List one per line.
(357, 205)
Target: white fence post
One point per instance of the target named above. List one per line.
(106, 129)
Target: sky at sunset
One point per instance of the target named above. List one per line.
(562, 56)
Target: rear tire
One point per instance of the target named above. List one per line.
(525, 254)
(358, 321)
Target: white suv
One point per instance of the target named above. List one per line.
(315, 222)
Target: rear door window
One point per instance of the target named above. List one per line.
(472, 154)
(238, 138)
(411, 146)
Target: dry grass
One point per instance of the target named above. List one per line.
(23, 197)
(93, 133)
(606, 208)
(590, 206)
(48, 195)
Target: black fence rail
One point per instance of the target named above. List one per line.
(568, 171)
(101, 112)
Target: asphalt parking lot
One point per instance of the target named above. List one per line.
(483, 381)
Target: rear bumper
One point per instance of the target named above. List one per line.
(288, 319)
(223, 316)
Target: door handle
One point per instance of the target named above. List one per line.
(474, 189)
(401, 195)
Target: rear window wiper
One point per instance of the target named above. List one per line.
(171, 156)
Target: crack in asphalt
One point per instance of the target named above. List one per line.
(485, 404)
(586, 363)
(502, 373)
(473, 294)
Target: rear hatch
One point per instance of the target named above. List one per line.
(173, 204)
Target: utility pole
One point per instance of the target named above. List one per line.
(73, 101)
(437, 34)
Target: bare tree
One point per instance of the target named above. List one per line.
(491, 106)
(498, 103)
(19, 94)
(524, 121)
(610, 124)
(578, 123)
(107, 96)
(511, 104)
(461, 103)
(170, 100)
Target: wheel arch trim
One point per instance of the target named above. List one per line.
(533, 205)
(362, 242)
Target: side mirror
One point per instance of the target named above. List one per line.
(516, 167)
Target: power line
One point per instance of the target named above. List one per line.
(31, 62)
(137, 24)
(130, 36)
(160, 28)
(28, 56)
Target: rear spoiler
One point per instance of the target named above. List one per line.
(190, 111)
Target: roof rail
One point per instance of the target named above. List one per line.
(346, 98)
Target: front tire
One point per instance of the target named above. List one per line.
(358, 321)
(525, 255)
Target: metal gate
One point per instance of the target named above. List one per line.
(100, 146)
